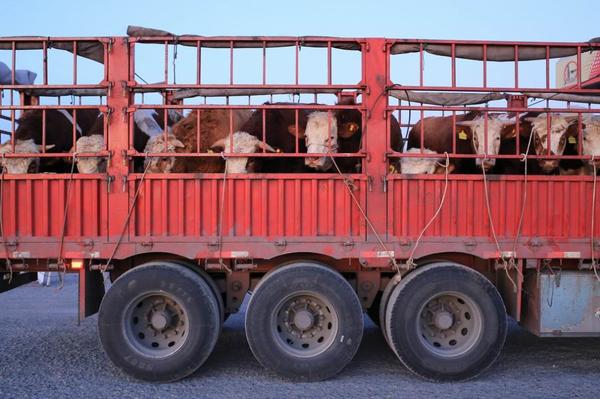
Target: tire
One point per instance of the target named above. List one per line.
(385, 296)
(321, 331)
(178, 304)
(446, 322)
(211, 283)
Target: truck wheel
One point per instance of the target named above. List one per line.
(385, 297)
(304, 321)
(446, 322)
(159, 321)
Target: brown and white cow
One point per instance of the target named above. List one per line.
(591, 142)
(470, 138)
(59, 139)
(559, 125)
(214, 125)
(148, 124)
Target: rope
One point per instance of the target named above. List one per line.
(410, 262)
(594, 261)
(6, 255)
(221, 212)
(506, 263)
(61, 261)
(350, 186)
(104, 268)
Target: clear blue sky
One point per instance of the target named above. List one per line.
(509, 20)
(574, 20)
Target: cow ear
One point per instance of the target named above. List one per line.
(51, 146)
(529, 119)
(509, 132)
(292, 131)
(463, 132)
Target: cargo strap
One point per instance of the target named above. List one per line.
(410, 262)
(6, 255)
(60, 261)
(350, 186)
(594, 261)
(507, 262)
(221, 212)
(105, 267)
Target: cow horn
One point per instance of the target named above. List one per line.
(264, 146)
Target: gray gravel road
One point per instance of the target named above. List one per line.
(43, 353)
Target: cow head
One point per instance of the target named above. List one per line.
(558, 137)
(22, 165)
(474, 130)
(158, 144)
(88, 165)
(591, 140)
(243, 143)
(412, 166)
(321, 137)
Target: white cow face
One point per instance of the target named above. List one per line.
(22, 165)
(243, 143)
(321, 136)
(157, 144)
(411, 166)
(491, 146)
(558, 138)
(88, 165)
(591, 140)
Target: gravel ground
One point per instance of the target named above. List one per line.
(43, 353)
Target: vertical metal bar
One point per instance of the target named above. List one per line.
(297, 61)
(329, 62)
(516, 66)
(74, 62)
(422, 129)
(231, 149)
(14, 62)
(453, 51)
(74, 127)
(485, 65)
(453, 132)
(264, 63)
(231, 62)
(45, 62)
(198, 62)
(296, 112)
(579, 66)
(518, 133)
(44, 130)
(198, 123)
(264, 125)
(547, 67)
(166, 62)
(548, 131)
(421, 66)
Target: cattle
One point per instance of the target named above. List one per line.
(214, 125)
(59, 139)
(533, 134)
(418, 165)
(470, 138)
(341, 132)
(243, 143)
(559, 124)
(281, 134)
(590, 146)
(591, 142)
(148, 124)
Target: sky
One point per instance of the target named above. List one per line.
(523, 20)
(573, 20)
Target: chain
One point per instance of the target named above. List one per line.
(221, 212)
(61, 262)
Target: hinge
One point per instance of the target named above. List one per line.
(384, 181)
(109, 180)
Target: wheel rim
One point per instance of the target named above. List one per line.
(450, 324)
(156, 325)
(304, 324)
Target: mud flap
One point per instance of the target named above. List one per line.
(91, 292)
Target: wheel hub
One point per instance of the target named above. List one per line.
(450, 324)
(159, 320)
(304, 319)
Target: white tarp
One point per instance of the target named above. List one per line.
(22, 76)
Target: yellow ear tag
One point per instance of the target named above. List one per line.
(462, 135)
(572, 140)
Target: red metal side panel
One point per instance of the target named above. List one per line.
(182, 207)
(33, 208)
(557, 213)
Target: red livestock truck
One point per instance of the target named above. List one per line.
(316, 232)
